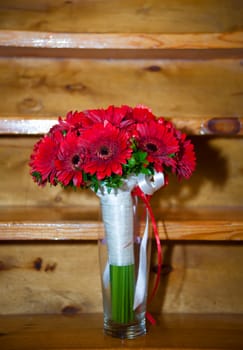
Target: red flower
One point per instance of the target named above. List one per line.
(93, 145)
(117, 116)
(142, 114)
(77, 120)
(185, 158)
(70, 160)
(43, 158)
(61, 126)
(159, 142)
(108, 148)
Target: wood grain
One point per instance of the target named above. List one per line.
(181, 88)
(74, 223)
(63, 277)
(121, 41)
(100, 16)
(172, 54)
(50, 278)
(179, 332)
(26, 125)
(217, 181)
(199, 276)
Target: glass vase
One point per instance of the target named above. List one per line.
(124, 255)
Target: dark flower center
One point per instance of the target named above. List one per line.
(75, 159)
(104, 152)
(151, 147)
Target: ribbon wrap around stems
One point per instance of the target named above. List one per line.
(117, 208)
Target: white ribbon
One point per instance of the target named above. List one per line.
(117, 215)
(141, 285)
(150, 184)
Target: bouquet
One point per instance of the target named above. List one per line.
(114, 151)
(103, 147)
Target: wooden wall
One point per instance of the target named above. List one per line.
(216, 182)
(64, 278)
(183, 59)
(136, 16)
(172, 88)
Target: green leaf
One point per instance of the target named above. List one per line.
(171, 155)
(37, 175)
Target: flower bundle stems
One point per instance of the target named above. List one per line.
(122, 280)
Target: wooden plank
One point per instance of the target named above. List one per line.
(51, 87)
(59, 224)
(61, 277)
(50, 278)
(121, 40)
(217, 181)
(26, 125)
(101, 16)
(182, 54)
(171, 332)
(195, 278)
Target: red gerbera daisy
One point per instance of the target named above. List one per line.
(185, 158)
(62, 126)
(70, 160)
(142, 114)
(159, 142)
(77, 120)
(42, 160)
(108, 148)
(117, 116)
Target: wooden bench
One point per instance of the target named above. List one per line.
(183, 59)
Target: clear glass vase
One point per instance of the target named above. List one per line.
(124, 255)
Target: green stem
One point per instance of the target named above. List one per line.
(122, 280)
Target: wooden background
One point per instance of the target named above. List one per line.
(136, 16)
(183, 59)
(64, 278)
(216, 182)
(51, 87)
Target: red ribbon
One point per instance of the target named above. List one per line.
(146, 199)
